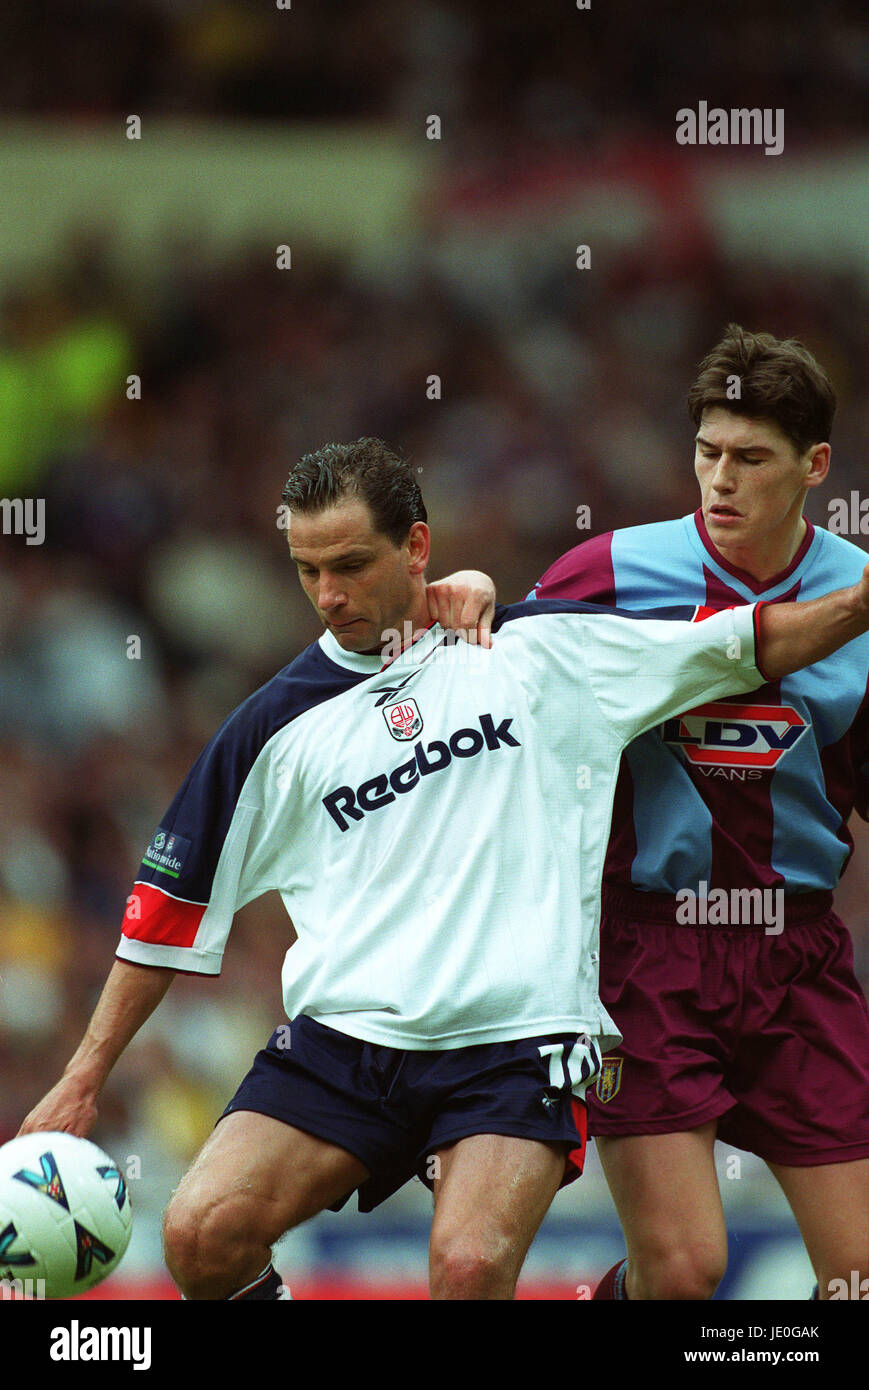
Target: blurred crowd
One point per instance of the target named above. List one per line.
(500, 72)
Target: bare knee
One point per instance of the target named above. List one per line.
(842, 1264)
(212, 1248)
(691, 1271)
(464, 1268)
(194, 1241)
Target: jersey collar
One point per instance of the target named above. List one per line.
(351, 661)
(756, 586)
(367, 663)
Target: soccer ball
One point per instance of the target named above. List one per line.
(65, 1215)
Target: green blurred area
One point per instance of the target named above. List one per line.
(51, 388)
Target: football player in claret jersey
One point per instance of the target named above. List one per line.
(442, 1020)
(722, 961)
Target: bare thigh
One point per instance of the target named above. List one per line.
(280, 1174)
(666, 1193)
(831, 1206)
(491, 1194)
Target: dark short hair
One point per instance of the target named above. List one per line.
(367, 469)
(779, 380)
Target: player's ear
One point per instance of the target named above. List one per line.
(418, 547)
(819, 460)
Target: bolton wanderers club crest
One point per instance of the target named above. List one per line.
(403, 720)
(610, 1079)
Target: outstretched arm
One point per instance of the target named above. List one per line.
(130, 995)
(793, 635)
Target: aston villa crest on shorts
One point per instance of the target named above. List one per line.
(610, 1079)
(403, 720)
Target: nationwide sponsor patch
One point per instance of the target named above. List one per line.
(166, 853)
(610, 1079)
(403, 719)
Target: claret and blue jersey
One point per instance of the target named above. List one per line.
(756, 790)
(436, 826)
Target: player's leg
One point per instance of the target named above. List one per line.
(801, 1081)
(491, 1192)
(254, 1179)
(831, 1206)
(509, 1129)
(666, 1193)
(676, 992)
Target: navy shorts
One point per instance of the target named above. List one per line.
(393, 1109)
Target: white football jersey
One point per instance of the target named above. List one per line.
(436, 826)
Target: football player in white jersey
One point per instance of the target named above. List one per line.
(444, 1017)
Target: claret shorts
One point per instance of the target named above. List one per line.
(768, 1034)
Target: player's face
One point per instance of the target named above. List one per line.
(753, 483)
(360, 582)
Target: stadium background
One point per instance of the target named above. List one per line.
(410, 256)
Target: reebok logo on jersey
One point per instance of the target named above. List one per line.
(379, 791)
(735, 735)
